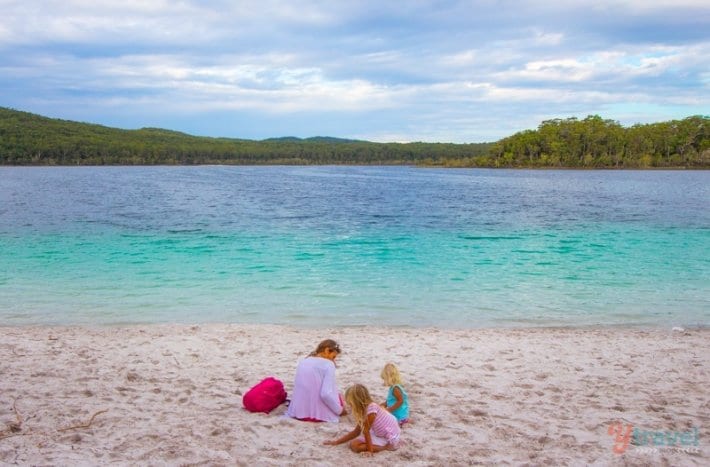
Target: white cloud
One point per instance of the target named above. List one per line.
(651, 5)
(256, 85)
(431, 70)
(107, 22)
(554, 70)
(615, 5)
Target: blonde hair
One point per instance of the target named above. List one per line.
(358, 398)
(390, 375)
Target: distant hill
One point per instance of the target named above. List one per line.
(314, 139)
(29, 139)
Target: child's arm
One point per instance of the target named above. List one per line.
(399, 400)
(345, 438)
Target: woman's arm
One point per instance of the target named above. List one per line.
(399, 399)
(329, 391)
(345, 438)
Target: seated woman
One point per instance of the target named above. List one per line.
(315, 394)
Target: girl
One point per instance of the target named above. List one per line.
(397, 402)
(375, 428)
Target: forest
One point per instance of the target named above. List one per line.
(597, 143)
(592, 142)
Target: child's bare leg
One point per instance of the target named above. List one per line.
(358, 446)
(361, 446)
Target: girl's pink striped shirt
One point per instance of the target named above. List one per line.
(385, 424)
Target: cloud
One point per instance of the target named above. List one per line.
(420, 70)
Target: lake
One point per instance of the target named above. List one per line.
(341, 245)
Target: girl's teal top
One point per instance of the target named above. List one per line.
(402, 413)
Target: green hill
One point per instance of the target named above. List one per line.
(29, 139)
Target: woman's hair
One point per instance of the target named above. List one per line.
(390, 374)
(358, 398)
(325, 345)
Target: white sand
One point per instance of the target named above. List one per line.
(171, 395)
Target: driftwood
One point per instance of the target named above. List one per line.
(15, 428)
(17, 415)
(85, 425)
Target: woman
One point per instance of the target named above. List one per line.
(315, 395)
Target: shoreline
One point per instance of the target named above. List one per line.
(170, 394)
(674, 327)
(393, 164)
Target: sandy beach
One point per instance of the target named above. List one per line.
(171, 395)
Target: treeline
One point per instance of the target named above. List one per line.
(598, 143)
(28, 139)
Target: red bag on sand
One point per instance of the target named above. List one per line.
(265, 396)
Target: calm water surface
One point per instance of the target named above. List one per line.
(354, 245)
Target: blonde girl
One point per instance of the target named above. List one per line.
(397, 402)
(375, 428)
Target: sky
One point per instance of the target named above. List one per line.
(408, 70)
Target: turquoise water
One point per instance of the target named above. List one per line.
(354, 245)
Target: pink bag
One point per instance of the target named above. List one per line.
(265, 396)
